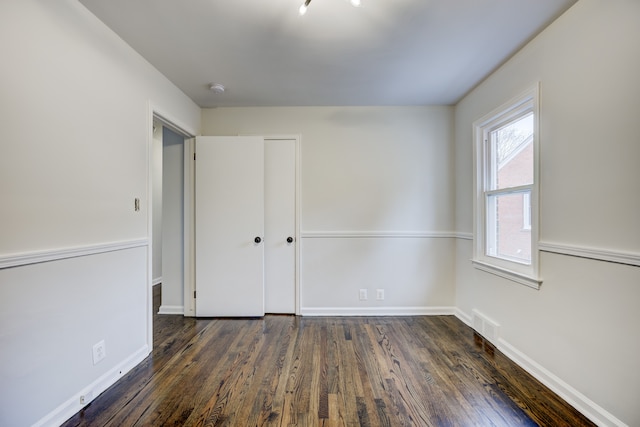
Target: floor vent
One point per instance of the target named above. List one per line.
(486, 327)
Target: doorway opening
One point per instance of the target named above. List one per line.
(163, 132)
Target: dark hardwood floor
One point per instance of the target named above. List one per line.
(333, 371)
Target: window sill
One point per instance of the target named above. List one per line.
(523, 279)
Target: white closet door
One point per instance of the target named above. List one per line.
(229, 226)
(280, 218)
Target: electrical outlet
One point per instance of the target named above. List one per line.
(99, 352)
(379, 294)
(363, 295)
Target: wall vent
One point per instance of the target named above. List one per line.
(486, 327)
(478, 323)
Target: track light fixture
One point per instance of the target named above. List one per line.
(305, 5)
(303, 8)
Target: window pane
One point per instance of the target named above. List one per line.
(512, 147)
(507, 237)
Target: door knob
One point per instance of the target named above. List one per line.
(257, 240)
(289, 239)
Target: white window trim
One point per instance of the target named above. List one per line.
(526, 211)
(525, 274)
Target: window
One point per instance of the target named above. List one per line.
(506, 232)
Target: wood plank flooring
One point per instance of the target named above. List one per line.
(333, 371)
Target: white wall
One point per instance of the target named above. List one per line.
(370, 178)
(376, 194)
(578, 332)
(67, 185)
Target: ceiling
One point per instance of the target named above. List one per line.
(385, 52)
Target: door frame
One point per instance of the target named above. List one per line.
(189, 221)
(155, 112)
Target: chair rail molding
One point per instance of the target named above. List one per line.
(34, 257)
(598, 254)
(353, 234)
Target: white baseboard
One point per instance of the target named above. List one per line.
(466, 319)
(171, 309)
(572, 396)
(69, 408)
(377, 311)
(576, 399)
